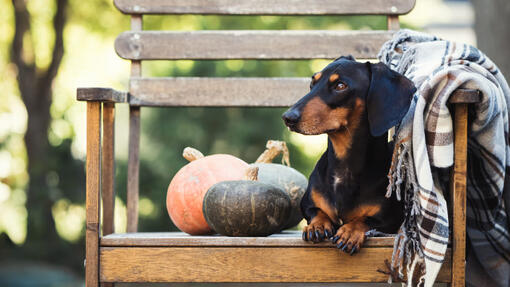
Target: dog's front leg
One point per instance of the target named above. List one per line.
(319, 228)
(351, 236)
(318, 211)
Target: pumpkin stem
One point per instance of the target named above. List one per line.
(252, 173)
(273, 149)
(191, 154)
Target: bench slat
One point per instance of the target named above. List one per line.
(249, 44)
(284, 239)
(217, 92)
(266, 7)
(249, 264)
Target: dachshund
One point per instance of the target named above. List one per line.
(355, 104)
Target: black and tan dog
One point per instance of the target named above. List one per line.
(355, 104)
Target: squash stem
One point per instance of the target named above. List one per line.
(191, 154)
(252, 173)
(273, 149)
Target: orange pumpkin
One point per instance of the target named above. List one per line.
(187, 189)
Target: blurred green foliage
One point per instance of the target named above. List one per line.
(89, 60)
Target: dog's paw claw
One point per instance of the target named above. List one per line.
(351, 237)
(318, 231)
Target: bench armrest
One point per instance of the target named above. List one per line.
(465, 96)
(101, 95)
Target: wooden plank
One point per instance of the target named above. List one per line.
(101, 94)
(108, 168)
(93, 182)
(254, 264)
(249, 44)
(285, 239)
(133, 169)
(266, 7)
(393, 23)
(458, 191)
(465, 96)
(214, 92)
(136, 26)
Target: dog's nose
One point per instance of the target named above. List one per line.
(291, 117)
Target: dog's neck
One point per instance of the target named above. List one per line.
(353, 147)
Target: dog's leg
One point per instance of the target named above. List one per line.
(351, 236)
(318, 212)
(319, 228)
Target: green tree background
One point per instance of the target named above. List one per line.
(89, 60)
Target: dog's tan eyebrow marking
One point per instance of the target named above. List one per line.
(317, 76)
(333, 78)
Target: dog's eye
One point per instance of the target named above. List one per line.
(340, 86)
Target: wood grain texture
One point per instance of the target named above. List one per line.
(214, 92)
(101, 94)
(108, 168)
(93, 181)
(249, 44)
(284, 239)
(266, 7)
(254, 264)
(133, 169)
(458, 192)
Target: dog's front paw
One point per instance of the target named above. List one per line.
(350, 237)
(319, 229)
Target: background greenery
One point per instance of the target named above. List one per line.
(89, 31)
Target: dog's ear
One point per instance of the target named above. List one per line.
(388, 98)
(348, 57)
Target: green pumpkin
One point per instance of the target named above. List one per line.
(246, 208)
(288, 179)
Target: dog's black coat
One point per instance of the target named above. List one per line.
(355, 104)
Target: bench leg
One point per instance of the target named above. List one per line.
(458, 194)
(133, 169)
(108, 172)
(93, 193)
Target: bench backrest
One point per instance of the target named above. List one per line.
(138, 45)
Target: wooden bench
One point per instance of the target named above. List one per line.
(176, 257)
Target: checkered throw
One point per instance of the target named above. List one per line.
(424, 149)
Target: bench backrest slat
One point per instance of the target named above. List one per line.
(217, 92)
(267, 7)
(152, 45)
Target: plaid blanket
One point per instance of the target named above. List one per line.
(424, 149)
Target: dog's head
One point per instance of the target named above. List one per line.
(345, 86)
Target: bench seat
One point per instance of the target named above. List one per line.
(284, 257)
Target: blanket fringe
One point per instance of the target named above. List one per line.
(407, 244)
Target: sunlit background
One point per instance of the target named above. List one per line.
(90, 60)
